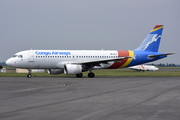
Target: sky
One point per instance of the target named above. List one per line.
(87, 25)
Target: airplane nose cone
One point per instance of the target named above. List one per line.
(8, 62)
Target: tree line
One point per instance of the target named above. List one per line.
(165, 65)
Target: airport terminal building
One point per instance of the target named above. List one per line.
(18, 70)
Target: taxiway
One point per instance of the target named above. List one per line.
(100, 98)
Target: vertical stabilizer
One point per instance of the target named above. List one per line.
(152, 41)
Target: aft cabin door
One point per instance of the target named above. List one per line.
(31, 56)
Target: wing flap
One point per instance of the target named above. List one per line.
(98, 62)
(105, 61)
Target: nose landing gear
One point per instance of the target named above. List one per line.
(29, 75)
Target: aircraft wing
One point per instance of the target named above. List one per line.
(93, 63)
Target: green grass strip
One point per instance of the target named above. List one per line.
(116, 72)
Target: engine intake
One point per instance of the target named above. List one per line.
(72, 69)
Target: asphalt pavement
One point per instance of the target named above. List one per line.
(100, 98)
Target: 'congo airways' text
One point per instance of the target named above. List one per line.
(52, 53)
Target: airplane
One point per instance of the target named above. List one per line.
(74, 62)
(144, 68)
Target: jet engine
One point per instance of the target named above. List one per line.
(72, 69)
(55, 71)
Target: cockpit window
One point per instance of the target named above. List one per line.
(19, 56)
(14, 56)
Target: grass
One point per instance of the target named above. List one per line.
(116, 72)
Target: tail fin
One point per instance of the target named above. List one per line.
(152, 41)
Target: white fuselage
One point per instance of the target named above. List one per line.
(55, 59)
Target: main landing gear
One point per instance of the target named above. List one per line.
(29, 75)
(79, 75)
(90, 75)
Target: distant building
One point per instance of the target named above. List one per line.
(21, 70)
(8, 70)
(18, 70)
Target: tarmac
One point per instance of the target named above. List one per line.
(99, 98)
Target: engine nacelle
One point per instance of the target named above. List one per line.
(72, 69)
(55, 71)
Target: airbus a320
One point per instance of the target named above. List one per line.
(74, 62)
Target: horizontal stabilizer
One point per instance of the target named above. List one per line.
(154, 56)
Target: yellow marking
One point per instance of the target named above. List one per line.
(157, 28)
(131, 54)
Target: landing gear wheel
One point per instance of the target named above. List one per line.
(91, 75)
(29, 76)
(79, 75)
